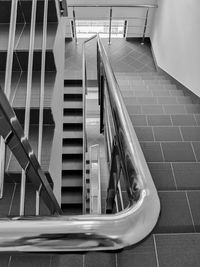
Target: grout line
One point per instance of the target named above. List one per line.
(162, 152)
(50, 263)
(194, 152)
(11, 202)
(173, 175)
(195, 118)
(179, 127)
(156, 251)
(188, 202)
(84, 260)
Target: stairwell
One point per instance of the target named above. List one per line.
(72, 153)
(19, 92)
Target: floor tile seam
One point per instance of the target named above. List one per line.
(176, 234)
(9, 261)
(156, 251)
(193, 150)
(190, 210)
(195, 118)
(162, 152)
(179, 191)
(181, 134)
(173, 174)
(174, 162)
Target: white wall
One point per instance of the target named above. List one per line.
(135, 26)
(176, 40)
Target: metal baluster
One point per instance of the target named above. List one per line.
(28, 98)
(74, 24)
(7, 87)
(110, 26)
(145, 26)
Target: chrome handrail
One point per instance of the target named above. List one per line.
(18, 143)
(84, 92)
(92, 232)
(111, 5)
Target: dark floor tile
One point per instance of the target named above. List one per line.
(187, 175)
(162, 176)
(175, 215)
(174, 109)
(99, 259)
(183, 120)
(183, 100)
(167, 134)
(157, 92)
(152, 109)
(197, 117)
(167, 100)
(194, 197)
(196, 146)
(144, 133)
(152, 151)
(192, 108)
(176, 92)
(178, 250)
(4, 259)
(67, 260)
(191, 133)
(178, 151)
(138, 120)
(140, 255)
(159, 120)
(147, 100)
(30, 260)
(134, 109)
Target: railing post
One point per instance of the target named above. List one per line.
(110, 27)
(101, 103)
(145, 26)
(74, 25)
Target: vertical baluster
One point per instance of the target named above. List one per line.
(74, 24)
(28, 97)
(145, 26)
(7, 86)
(110, 27)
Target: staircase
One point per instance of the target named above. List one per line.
(72, 153)
(166, 121)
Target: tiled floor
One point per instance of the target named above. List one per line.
(125, 56)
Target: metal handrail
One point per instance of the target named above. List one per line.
(84, 92)
(108, 5)
(92, 232)
(18, 143)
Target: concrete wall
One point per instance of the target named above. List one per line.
(176, 41)
(135, 25)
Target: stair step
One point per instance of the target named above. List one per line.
(74, 197)
(73, 90)
(72, 181)
(72, 161)
(72, 134)
(73, 97)
(72, 119)
(72, 149)
(72, 111)
(72, 209)
(73, 105)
